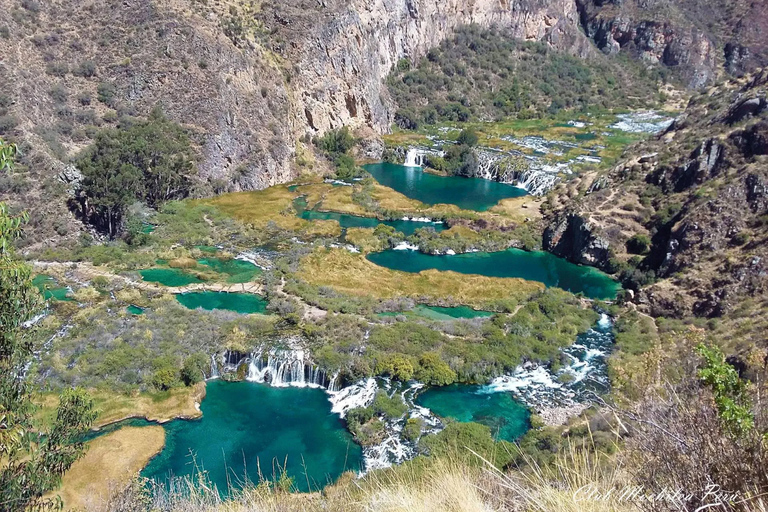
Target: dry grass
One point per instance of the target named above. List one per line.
(261, 206)
(109, 464)
(113, 407)
(519, 208)
(353, 274)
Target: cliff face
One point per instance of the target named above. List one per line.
(342, 52)
(694, 37)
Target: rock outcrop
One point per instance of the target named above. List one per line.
(571, 236)
(702, 210)
(342, 52)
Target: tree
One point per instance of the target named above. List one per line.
(194, 368)
(467, 137)
(33, 457)
(638, 244)
(433, 370)
(147, 161)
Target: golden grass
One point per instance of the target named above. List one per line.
(112, 407)
(261, 206)
(109, 464)
(354, 275)
(519, 208)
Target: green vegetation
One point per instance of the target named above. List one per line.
(149, 161)
(336, 144)
(481, 74)
(441, 353)
(34, 457)
(730, 391)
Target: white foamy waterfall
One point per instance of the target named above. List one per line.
(538, 386)
(281, 368)
(393, 449)
(534, 178)
(413, 158)
(214, 368)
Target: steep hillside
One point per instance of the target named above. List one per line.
(683, 216)
(252, 82)
(697, 37)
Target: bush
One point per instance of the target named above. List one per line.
(638, 244)
(86, 69)
(59, 69)
(434, 371)
(105, 92)
(194, 369)
(165, 378)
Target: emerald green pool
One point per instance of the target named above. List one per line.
(245, 303)
(134, 310)
(247, 426)
(48, 287)
(239, 271)
(168, 276)
(507, 418)
(468, 193)
(443, 314)
(407, 227)
(532, 266)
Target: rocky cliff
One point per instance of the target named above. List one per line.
(698, 195)
(341, 52)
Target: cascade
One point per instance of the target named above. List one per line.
(214, 368)
(413, 158)
(282, 368)
(537, 386)
(535, 179)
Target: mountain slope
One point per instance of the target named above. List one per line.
(683, 216)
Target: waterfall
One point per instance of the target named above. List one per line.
(535, 178)
(538, 386)
(214, 368)
(281, 368)
(413, 158)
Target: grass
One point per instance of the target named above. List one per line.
(354, 275)
(273, 204)
(109, 464)
(158, 406)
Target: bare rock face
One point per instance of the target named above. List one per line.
(342, 52)
(572, 237)
(615, 25)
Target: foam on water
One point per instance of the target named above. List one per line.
(538, 386)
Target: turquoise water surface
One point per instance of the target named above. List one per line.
(507, 418)
(168, 277)
(239, 271)
(468, 193)
(239, 302)
(407, 227)
(250, 428)
(532, 266)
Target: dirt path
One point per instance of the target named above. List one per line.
(87, 271)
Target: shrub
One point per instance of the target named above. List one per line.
(59, 69)
(194, 369)
(165, 378)
(86, 69)
(434, 371)
(105, 92)
(638, 244)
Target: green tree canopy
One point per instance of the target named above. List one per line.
(148, 161)
(33, 457)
